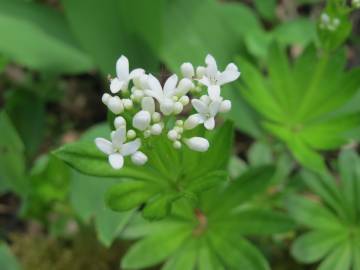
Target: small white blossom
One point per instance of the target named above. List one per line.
(131, 134)
(156, 129)
(213, 78)
(328, 23)
(207, 110)
(225, 106)
(123, 76)
(198, 144)
(172, 135)
(105, 98)
(117, 149)
(169, 94)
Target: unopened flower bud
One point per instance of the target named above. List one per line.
(128, 104)
(131, 134)
(115, 85)
(178, 129)
(167, 106)
(185, 85)
(225, 106)
(179, 123)
(105, 98)
(115, 105)
(191, 122)
(156, 129)
(147, 133)
(198, 144)
(142, 120)
(119, 122)
(156, 117)
(187, 70)
(177, 144)
(139, 158)
(184, 100)
(172, 135)
(178, 107)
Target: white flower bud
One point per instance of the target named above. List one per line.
(175, 98)
(156, 117)
(128, 104)
(225, 106)
(119, 122)
(115, 105)
(187, 70)
(185, 85)
(139, 158)
(184, 100)
(200, 72)
(198, 144)
(192, 121)
(206, 99)
(179, 123)
(156, 129)
(147, 133)
(172, 135)
(142, 120)
(178, 107)
(177, 144)
(179, 129)
(138, 95)
(131, 134)
(105, 98)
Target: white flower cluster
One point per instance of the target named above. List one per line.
(329, 23)
(356, 3)
(150, 108)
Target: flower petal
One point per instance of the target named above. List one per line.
(184, 87)
(214, 92)
(136, 73)
(104, 145)
(193, 120)
(209, 123)
(205, 81)
(116, 85)
(230, 74)
(211, 69)
(199, 106)
(153, 94)
(170, 85)
(214, 107)
(119, 137)
(155, 85)
(116, 161)
(122, 68)
(148, 104)
(130, 147)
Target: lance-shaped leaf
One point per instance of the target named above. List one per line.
(208, 238)
(301, 102)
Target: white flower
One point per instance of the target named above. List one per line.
(168, 95)
(187, 70)
(213, 78)
(142, 119)
(123, 76)
(207, 110)
(117, 149)
(198, 144)
(328, 23)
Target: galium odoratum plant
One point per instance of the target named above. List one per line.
(332, 218)
(153, 109)
(163, 145)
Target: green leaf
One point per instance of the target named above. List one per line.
(160, 206)
(315, 245)
(312, 214)
(148, 252)
(87, 198)
(12, 160)
(266, 8)
(183, 259)
(86, 158)
(49, 44)
(105, 31)
(339, 259)
(260, 154)
(7, 259)
(128, 195)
